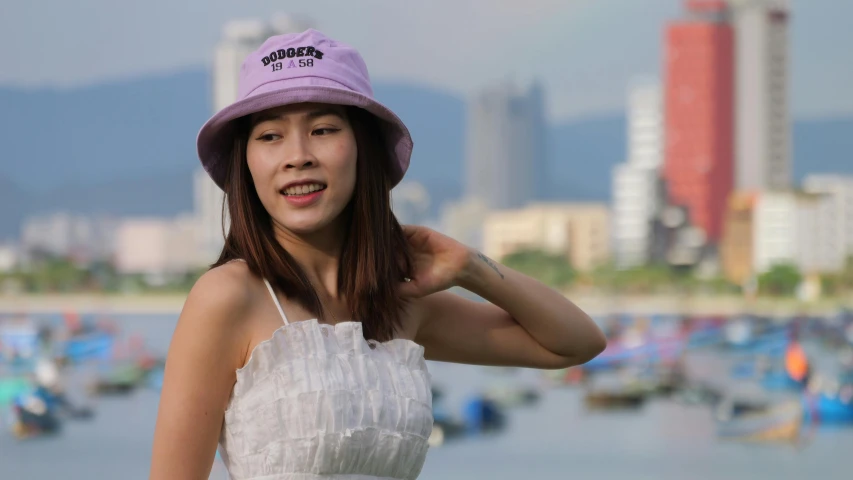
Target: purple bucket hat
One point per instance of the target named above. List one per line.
(297, 68)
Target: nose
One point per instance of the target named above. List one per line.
(299, 155)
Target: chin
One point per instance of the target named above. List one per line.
(306, 226)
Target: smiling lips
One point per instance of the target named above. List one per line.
(303, 194)
(302, 189)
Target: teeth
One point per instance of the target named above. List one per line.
(303, 189)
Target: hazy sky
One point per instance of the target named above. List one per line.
(585, 51)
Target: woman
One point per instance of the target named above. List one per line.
(301, 352)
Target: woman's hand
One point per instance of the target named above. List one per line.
(438, 261)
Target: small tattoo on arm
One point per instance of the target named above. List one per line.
(490, 263)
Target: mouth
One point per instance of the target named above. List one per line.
(302, 190)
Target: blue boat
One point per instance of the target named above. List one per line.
(745, 370)
(18, 341)
(482, 415)
(653, 350)
(705, 337)
(780, 380)
(824, 408)
(92, 346)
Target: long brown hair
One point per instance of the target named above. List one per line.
(375, 256)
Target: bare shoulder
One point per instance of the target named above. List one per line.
(222, 297)
(207, 347)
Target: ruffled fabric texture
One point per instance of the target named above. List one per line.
(319, 401)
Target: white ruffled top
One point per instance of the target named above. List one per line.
(318, 401)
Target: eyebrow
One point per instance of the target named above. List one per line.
(312, 115)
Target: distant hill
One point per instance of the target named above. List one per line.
(823, 146)
(128, 148)
(55, 138)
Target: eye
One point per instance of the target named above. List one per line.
(269, 137)
(324, 131)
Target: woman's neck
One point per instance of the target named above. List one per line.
(318, 254)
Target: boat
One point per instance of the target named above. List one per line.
(12, 387)
(779, 379)
(652, 351)
(738, 333)
(510, 396)
(95, 345)
(565, 376)
(18, 340)
(693, 393)
(614, 399)
(445, 427)
(121, 379)
(829, 407)
(746, 369)
(34, 415)
(777, 423)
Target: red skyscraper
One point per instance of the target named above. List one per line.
(699, 113)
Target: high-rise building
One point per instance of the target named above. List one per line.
(763, 131)
(507, 164)
(836, 220)
(645, 125)
(636, 183)
(239, 39)
(699, 113)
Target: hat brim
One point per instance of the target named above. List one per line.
(215, 139)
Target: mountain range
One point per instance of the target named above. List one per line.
(128, 147)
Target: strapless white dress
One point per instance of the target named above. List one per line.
(318, 401)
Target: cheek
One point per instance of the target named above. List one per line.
(261, 171)
(348, 157)
(258, 165)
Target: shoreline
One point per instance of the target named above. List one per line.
(595, 304)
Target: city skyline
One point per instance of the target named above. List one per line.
(683, 129)
(488, 44)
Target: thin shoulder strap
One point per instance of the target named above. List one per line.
(277, 304)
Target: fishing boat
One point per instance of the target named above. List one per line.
(738, 333)
(34, 414)
(510, 396)
(614, 398)
(779, 379)
(120, 379)
(829, 407)
(444, 427)
(481, 415)
(705, 336)
(18, 340)
(695, 393)
(778, 423)
(95, 345)
(660, 380)
(10, 389)
(649, 351)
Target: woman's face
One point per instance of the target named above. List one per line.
(302, 159)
